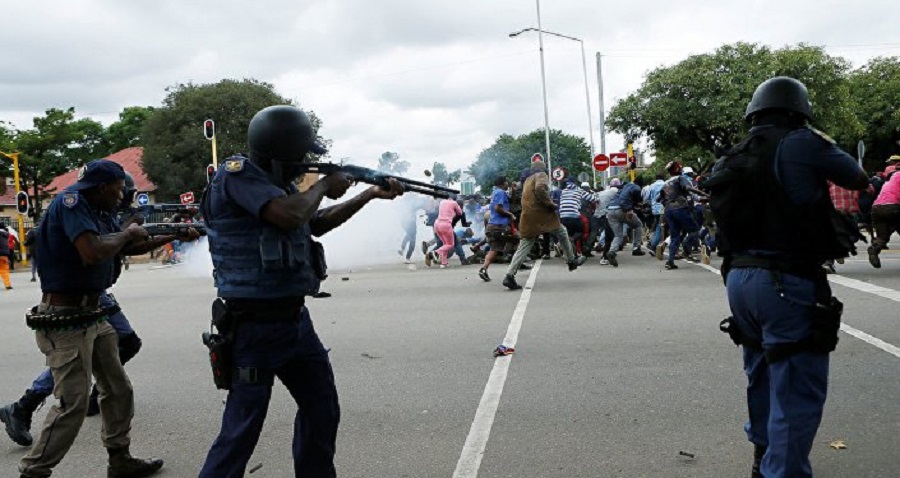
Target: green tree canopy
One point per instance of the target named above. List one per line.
(126, 132)
(875, 89)
(697, 105)
(510, 155)
(390, 163)
(56, 144)
(442, 176)
(175, 151)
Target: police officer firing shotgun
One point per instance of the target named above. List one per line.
(770, 199)
(260, 232)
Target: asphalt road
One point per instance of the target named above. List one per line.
(617, 373)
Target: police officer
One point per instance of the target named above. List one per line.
(17, 415)
(775, 239)
(260, 232)
(76, 266)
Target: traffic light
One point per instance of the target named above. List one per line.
(210, 173)
(209, 129)
(22, 202)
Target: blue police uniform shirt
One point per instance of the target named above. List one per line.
(805, 160)
(501, 197)
(249, 191)
(59, 264)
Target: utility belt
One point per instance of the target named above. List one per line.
(54, 322)
(71, 300)
(826, 311)
(226, 318)
(805, 269)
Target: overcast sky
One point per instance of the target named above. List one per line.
(432, 81)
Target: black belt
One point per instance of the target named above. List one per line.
(265, 310)
(805, 269)
(71, 300)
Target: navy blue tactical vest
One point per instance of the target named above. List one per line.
(255, 260)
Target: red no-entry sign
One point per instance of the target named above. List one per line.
(601, 162)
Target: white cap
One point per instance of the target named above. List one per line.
(585, 184)
(687, 170)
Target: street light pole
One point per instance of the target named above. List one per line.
(587, 95)
(602, 125)
(544, 88)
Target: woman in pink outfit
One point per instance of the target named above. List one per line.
(448, 210)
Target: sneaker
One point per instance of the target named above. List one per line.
(18, 423)
(660, 248)
(425, 247)
(482, 273)
(577, 261)
(671, 266)
(443, 266)
(428, 259)
(33, 279)
(692, 258)
(545, 256)
(510, 283)
(829, 268)
(123, 465)
(611, 257)
(407, 261)
(873, 257)
(638, 252)
(604, 262)
(704, 254)
(525, 267)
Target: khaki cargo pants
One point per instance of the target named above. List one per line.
(73, 356)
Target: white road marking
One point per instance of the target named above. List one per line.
(473, 450)
(862, 287)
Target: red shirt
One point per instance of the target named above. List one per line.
(844, 200)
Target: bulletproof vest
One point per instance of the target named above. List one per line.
(255, 260)
(755, 215)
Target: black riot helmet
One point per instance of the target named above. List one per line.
(281, 133)
(781, 93)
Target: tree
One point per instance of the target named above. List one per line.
(510, 155)
(126, 132)
(57, 144)
(876, 93)
(698, 104)
(389, 163)
(176, 153)
(442, 177)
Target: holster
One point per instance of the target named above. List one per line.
(318, 260)
(221, 345)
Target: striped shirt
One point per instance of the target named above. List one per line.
(570, 201)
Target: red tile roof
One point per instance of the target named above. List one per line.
(9, 197)
(129, 158)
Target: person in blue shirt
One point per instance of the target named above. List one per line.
(260, 231)
(498, 232)
(76, 266)
(621, 211)
(783, 311)
(651, 197)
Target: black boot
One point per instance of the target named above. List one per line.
(123, 465)
(93, 402)
(510, 283)
(758, 453)
(18, 423)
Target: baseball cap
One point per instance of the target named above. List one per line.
(615, 182)
(894, 157)
(585, 184)
(687, 170)
(97, 172)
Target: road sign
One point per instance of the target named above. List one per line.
(187, 198)
(601, 162)
(143, 199)
(618, 159)
(583, 177)
(558, 174)
(537, 157)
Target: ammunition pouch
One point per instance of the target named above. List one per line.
(50, 322)
(320, 267)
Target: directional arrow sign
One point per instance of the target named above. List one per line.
(618, 159)
(143, 199)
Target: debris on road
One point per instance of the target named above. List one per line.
(689, 455)
(838, 445)
(503, 350)
(256, 468)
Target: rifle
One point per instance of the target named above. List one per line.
(378, 178)
(177, 229)
(190, 209)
